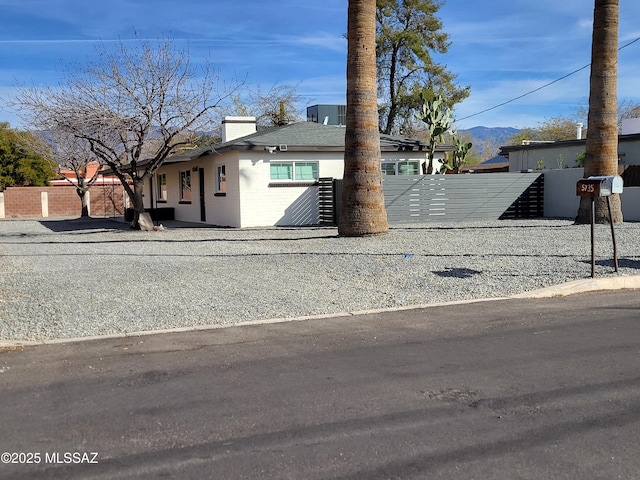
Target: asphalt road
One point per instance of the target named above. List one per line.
(509, 389)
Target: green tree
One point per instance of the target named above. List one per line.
(407, 34)
(602, 136)
(363, 211)
(19, 165)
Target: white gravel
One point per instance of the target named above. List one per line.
(76, 278)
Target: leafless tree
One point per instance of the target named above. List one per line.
(277, 106)
(133, 106)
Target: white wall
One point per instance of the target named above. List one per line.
(551, 155)
(630, 200)
(223, 210)
(561, 201)
(250, 200)
(219, 210)
(186, 212)
(550, 158)
(265, 205)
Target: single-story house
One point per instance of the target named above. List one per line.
(68, 177)
(557, 161)
(268, 177)
(564, 154)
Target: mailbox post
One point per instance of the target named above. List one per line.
(601, 186)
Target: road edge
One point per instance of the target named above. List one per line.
(623, 282)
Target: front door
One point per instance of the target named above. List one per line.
(203, 212)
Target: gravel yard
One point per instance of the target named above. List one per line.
(74, 278)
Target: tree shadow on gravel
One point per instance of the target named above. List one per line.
(622, 263)
(85, 226)
(458, 272)
(628, 263)
(80, 225)
(529, 224)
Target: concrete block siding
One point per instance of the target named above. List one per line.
(23, 202)
(43, 202)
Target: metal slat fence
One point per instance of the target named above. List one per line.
(456, 198)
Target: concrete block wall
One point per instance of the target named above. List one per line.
(106, 201)
(62, 202)
(23, 202)
(43, 202)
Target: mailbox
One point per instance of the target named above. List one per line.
(599, 186)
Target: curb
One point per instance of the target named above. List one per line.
(583, 286)
(570, 288)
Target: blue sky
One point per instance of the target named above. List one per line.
(501, 48)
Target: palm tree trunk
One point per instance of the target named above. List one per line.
(602, 134)
(363, 212)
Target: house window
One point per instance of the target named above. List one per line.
(185, 186)
(162, 187)
(403, 167)
(221, 179)
(281, 171)
(408, 168)
(306, 171)
(388, 168)
(294, 171)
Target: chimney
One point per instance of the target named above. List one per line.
(236, 127)
(579, 131)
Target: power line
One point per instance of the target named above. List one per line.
(539, 88)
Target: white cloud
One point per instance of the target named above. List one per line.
(322, 40)
(586, 23)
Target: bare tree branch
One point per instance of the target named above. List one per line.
(133, 106)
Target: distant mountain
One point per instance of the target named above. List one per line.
(499, 135)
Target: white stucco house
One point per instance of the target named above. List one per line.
(268, 177)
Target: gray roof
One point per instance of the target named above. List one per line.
(505, 150)
(301, 136)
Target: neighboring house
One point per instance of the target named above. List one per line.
(556, 159)
(554, 155)
(266, 178)
(69, 177)
(327, 114)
